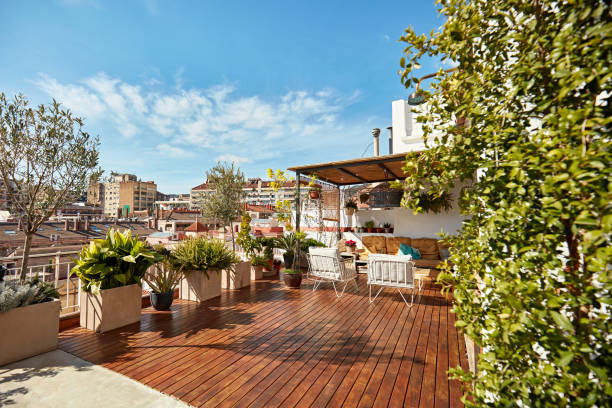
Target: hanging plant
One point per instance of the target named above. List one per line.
(363, 197)
(435, 203)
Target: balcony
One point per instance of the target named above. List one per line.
(270, 346)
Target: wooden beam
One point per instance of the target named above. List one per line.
(387, 169)
(353, 175)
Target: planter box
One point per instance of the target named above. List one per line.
(111, 308)
(256, 272)
(198, 287)
(28, 331)
(239, 278)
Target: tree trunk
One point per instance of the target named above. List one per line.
(233, 241)
(26, 255)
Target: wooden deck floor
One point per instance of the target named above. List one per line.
(270, 346)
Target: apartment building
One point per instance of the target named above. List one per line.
(258, 192)
(126, 194)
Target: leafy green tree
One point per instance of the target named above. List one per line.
(46, 160)
(225, 203)
(526, 120)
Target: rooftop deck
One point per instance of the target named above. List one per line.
(271, 346)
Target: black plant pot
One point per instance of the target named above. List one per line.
(288, 258)
(162, 301)
(293, 280)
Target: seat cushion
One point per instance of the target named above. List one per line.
(393, 243)
(428, 247)
(427, 263)
(374, 244)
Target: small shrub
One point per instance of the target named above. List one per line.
(15, 294)
(199, 254)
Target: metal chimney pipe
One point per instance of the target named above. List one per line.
(375, 134)
(390, 129)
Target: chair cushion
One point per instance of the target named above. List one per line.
(408, 250)
(428, 247)
(374, 244)
(388, 272)
(393, 243)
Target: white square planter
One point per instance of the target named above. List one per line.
(111, 308)
(197, 287)
(256, 272)
(28, 331)
(238, 278)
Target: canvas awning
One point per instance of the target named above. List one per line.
(356, 171)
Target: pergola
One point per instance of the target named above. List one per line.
(351, 172)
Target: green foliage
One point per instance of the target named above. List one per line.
(259, 260)
(268, 253)
(532, 277)
(226, 202)
(16, 294)
(434, 203)
(287, 242)
(164, 276)
(47, 159)
(369, 224)
(292, 272)
(350, 204)
(118, 260)
(283, 207)
(310, 242)
(200, 254)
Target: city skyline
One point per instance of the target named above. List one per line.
(172, 88)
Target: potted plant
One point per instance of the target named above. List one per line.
(369, 226)
(287, 242)
(277, 265)
(363, 197)
(111, 271)
(257, 265)
(379, 230)
(350, 207)
(350, 245)
(314, 190)
(202, 261)
(292, 278)
(163, 278)
(29, 319)
(387, 227)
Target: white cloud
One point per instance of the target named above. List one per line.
(196, 122)
(233, 158)
(173, 151)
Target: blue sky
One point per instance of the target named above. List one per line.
(170, 87)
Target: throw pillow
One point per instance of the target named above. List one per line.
(408, 250)
(445, 254)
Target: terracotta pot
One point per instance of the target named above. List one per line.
(349, 211)
(345, 229)
(380, 230)
(28, 331)
(391, 230)
(314, 194)
(369, 229)
(293, 280)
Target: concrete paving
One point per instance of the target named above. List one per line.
(59, 379)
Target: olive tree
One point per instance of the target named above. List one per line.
(225, 204)
(526, 119)
(46, 160)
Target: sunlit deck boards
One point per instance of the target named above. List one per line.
(270, 346)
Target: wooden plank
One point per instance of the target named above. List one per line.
(442, 358)
(428, 385)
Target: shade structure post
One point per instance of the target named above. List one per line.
(339, 234)
(297, 219)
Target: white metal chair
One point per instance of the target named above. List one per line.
(394, 271)
(325, 264)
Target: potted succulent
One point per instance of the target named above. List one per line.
(387, 227)
(29, 319)
(163, 278)
(350, 245)
(350, 207)
(288, 243)
(369, 226)
(111, 271)
(202, 261)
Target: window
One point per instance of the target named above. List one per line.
(10, 232)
